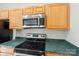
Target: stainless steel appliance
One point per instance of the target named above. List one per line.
(34, 20)
(34, 45)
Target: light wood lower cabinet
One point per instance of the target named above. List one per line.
(5, 54)
(6, 51)
(53, 54)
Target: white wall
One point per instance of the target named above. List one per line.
(17, 5)
(53, 34)
(73, 35)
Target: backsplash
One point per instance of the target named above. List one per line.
(56, 34)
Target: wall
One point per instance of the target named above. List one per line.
(73, 35)
(17, 5)
(56, 34)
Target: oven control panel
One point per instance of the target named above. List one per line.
(36, 35)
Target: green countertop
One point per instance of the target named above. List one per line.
(52, 45)
(61, 46)
(13, 43)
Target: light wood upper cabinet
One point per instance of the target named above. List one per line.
(3, 14)
(57, 16)
(27, 10)
(15, 17)
(39, 9)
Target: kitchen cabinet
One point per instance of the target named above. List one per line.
(15, 19)
(57, 16)
(39, 9)
(3, 14)
(6, 51)
(28, 10)
(5, 54)
(1, 25)
(53, 54)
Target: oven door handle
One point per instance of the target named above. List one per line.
(36, 41)
(28, 49)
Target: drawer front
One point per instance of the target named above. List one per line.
(5, 54)
(53, 54)
(7, 50)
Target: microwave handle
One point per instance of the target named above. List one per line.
(38, 21)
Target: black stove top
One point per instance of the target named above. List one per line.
(31, 46)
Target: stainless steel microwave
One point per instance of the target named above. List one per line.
(34, 20)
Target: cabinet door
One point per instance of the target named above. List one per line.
(27, 11)
(39, 9)
(3, 14)
(5, 54)
(57, 16)
(1, 24)
(7, 50)
(15, 17)
(53, 54)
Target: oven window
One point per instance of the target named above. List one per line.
(30, 22)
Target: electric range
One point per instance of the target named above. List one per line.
(34, 45)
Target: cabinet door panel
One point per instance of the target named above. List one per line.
(39, 9)
(3, 14)
(57, 16)
(27, 11)
(15, 17)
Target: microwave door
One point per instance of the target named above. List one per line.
(30, 22)
(26, 22)
(36, 22)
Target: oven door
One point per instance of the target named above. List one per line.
(21, 54)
